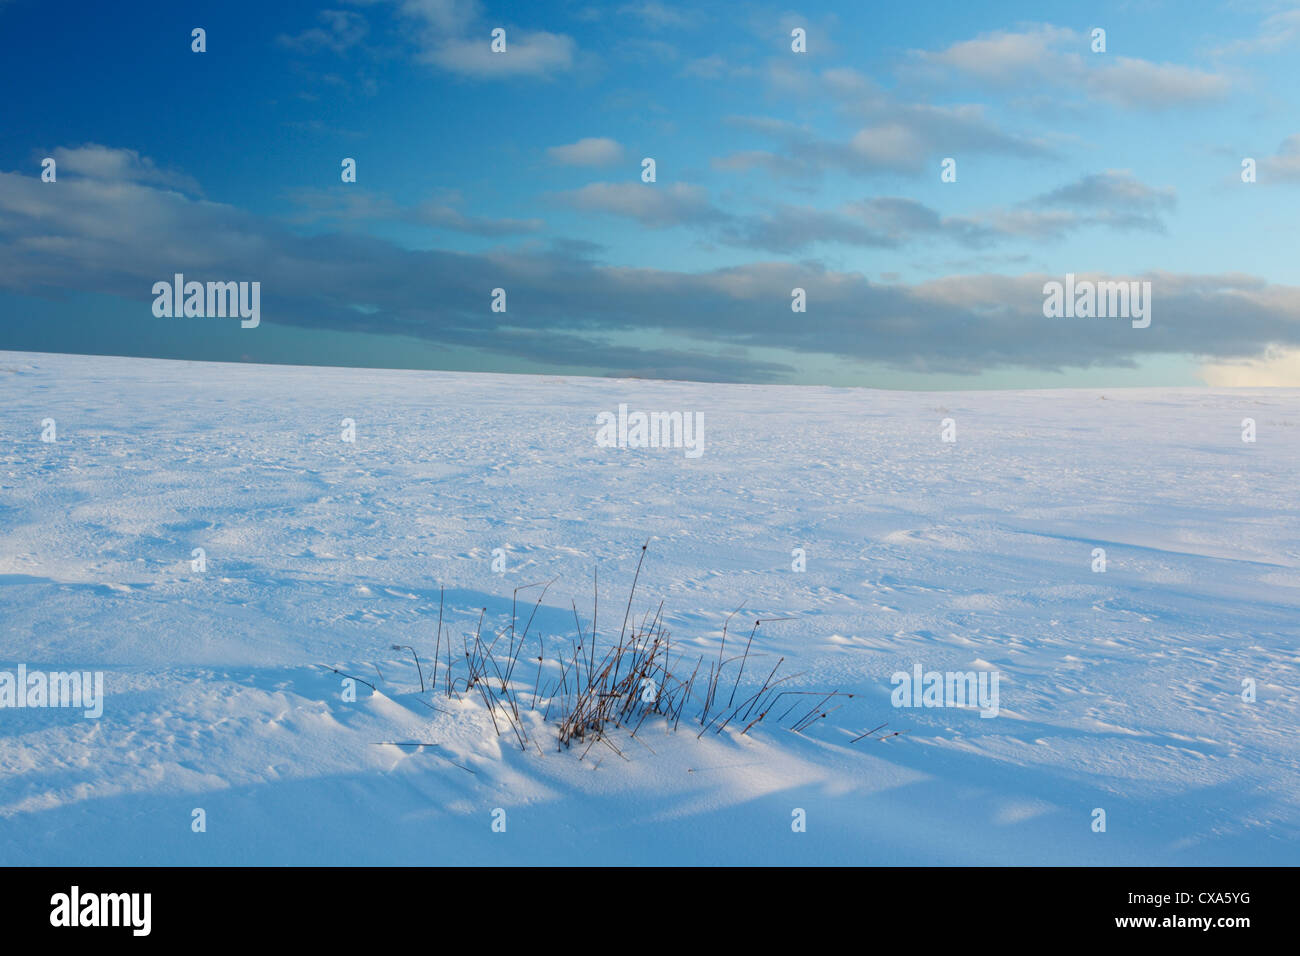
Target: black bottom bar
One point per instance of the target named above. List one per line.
(907, 905)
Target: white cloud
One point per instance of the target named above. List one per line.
(1126, 81)
(591, 151)
(526, 54)
(1045, 56)
(1277, 32)
(444, 16)
(343, 30)
(892, 135)
(454, 35)
(121, 165)
(651, 204)
(1285, 166)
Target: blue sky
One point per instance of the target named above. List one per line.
(775, 170)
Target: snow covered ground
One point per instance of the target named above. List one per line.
(1120, 690)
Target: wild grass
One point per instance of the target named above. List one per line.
(586, 692)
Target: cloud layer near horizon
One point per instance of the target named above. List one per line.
(115, 226)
